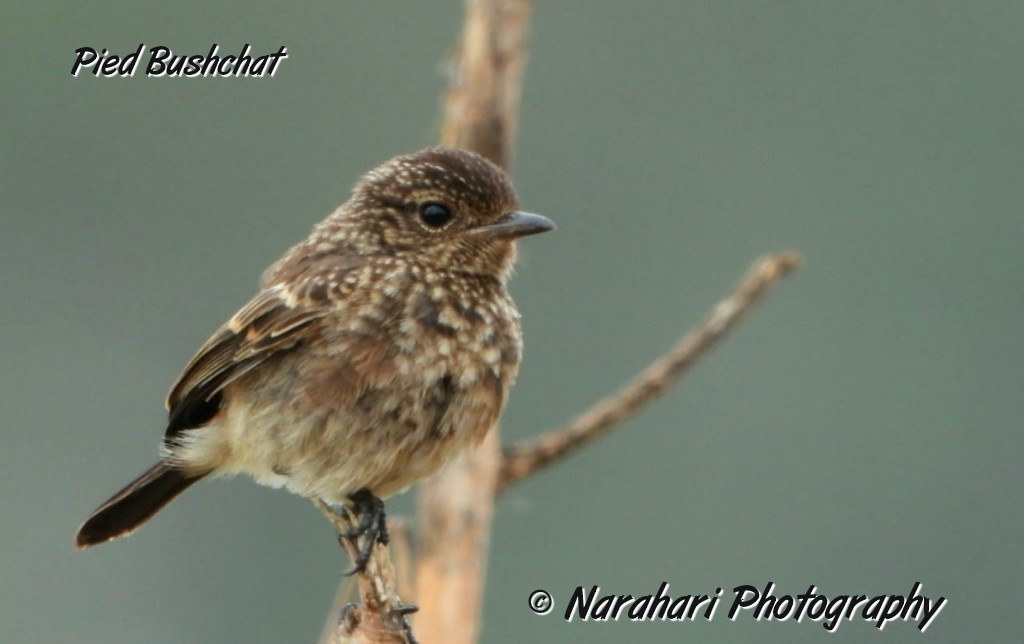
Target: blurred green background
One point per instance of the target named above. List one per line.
(860, 431)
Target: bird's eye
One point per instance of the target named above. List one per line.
(435, 215)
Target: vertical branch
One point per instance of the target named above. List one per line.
(482, 103)
(456, 507)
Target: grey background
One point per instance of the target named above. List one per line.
(861, 431)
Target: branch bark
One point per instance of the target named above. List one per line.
(379, 617)
(482, 102)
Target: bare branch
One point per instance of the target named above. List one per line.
(379, 617)
(482, 103)
(456, 509)
(524, 459)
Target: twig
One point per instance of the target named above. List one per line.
(380, 615)
(526, 458)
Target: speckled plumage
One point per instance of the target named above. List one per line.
(376, 349)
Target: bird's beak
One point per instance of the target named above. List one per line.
(515, 224)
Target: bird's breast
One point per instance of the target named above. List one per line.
(384, 398)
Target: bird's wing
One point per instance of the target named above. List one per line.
(273, 322)
(280, 318)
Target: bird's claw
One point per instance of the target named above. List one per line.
(402, 612)
(371, 526)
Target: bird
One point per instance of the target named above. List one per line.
(375, 350)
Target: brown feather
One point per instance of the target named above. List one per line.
(270, 324)
(375, 350)
(122, 513)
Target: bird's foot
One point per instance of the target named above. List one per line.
(349, 619)
(371, 525)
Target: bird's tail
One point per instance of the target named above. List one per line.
(120, 515)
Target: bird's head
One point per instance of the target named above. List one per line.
(448, 208)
